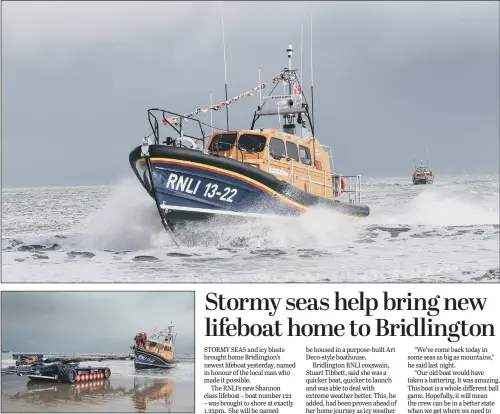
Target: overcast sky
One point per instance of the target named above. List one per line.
(93, 322)
(389, 78)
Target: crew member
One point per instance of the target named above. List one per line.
(138, 340)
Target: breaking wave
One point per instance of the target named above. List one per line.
(128, 220)
(436, 207)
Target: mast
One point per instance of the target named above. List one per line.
(312, 93)
(301, 54)
(211, 114)
(301, 51)
(289, 119)
(260, 90)
(225, 71)
(289, 51)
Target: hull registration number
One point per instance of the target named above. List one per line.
(210, 190)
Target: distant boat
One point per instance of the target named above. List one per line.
(157, 351)
(422, 173)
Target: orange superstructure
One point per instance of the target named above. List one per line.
(300, 161)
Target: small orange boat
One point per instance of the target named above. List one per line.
(422, 175)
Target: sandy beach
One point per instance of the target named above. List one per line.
(127, 390)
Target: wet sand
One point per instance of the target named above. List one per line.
(127, 390)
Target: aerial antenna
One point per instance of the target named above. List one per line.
(289, 51)
(225, 71)
(414, 161)
(301, 53)
(312, 91)
(260, 90)
(211, 114)
(426, 157)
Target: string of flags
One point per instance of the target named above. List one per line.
(219, 106)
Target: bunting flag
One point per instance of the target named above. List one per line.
(297, 90)
(217, 107)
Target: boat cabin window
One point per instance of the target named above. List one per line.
(305, 155)
(277, 148)
(251, 142)
(292, 151)
(159, 346)
(222, 142)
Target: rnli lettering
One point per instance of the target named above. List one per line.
(142, 358)
(181, 183)
(186, 184)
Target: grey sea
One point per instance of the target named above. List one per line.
(445, 232)
(127, 390)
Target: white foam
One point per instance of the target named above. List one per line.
(440, 208)
(315, 228)
(127, 221)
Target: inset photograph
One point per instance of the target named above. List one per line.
(98, 352)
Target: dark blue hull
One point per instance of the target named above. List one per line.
(198, 189)
(148, 359)
(191, 185)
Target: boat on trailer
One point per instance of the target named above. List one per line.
(256, 172)
(157, 351)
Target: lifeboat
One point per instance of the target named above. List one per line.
(422, 175)
(256, 172)
(156, 351)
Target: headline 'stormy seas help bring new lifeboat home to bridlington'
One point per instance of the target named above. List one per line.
(244, 173)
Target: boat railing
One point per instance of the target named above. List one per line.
(352, 187)
(178, 123)
(166, 333)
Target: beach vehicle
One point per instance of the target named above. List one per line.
(255, 172)
(157, 351)
(64, 372)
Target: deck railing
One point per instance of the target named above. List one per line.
(353, 187)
